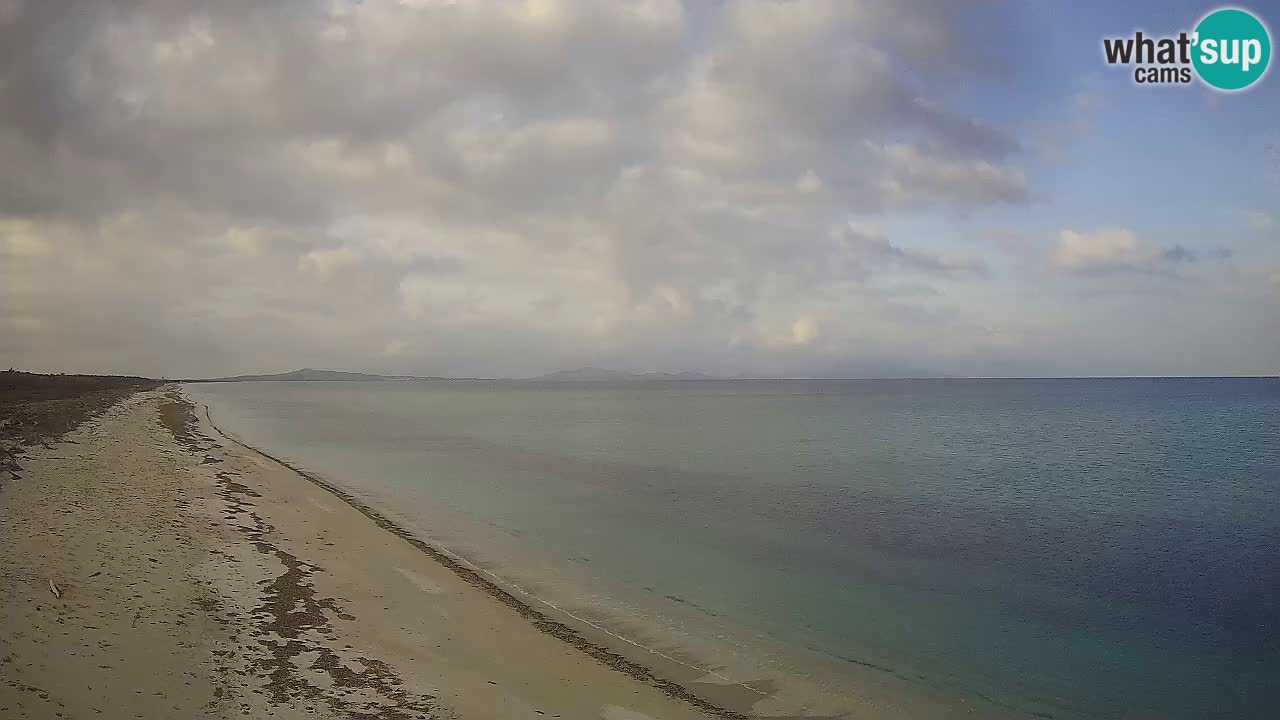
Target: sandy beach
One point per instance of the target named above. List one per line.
(150, 567)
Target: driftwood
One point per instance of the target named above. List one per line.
(56, 592)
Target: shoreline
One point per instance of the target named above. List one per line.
(152, 567)
(802, 681)
(152, 513)
(495, 589)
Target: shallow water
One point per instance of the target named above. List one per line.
(1072, 548)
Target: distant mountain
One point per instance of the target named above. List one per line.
(595, 374)
(585, 374)
(303, 375)
(686, 375)
(579, 375)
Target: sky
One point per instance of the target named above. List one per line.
(501, 189)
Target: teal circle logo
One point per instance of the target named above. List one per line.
(1232, 49)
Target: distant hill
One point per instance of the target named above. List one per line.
(303, 375)
(578, 375)
(595, 374)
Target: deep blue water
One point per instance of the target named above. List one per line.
(1073, 548)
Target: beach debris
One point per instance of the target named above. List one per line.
(54, 588)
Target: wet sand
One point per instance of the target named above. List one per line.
(196, 577)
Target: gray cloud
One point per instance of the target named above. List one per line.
(1179, 254)
(868, 246)
(194, 188)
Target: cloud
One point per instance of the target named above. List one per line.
(1259, 220)
(867, 245)
(910, 177)
(20, 238)
(1121, 249)
(801, 333)
(791, 82)
(431, 184)
(1179, 254)
(195, 188)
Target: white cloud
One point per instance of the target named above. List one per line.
(1122, 249)
(1112, 249)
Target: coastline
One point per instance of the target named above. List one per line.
(701, 667)
(156, 566)
(332, 608)
(495, 588)
(198, 578)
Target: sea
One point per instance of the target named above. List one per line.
(1051, 548)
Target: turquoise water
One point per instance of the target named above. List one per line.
(1064, 548)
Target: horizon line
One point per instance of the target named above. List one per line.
(706, 377)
